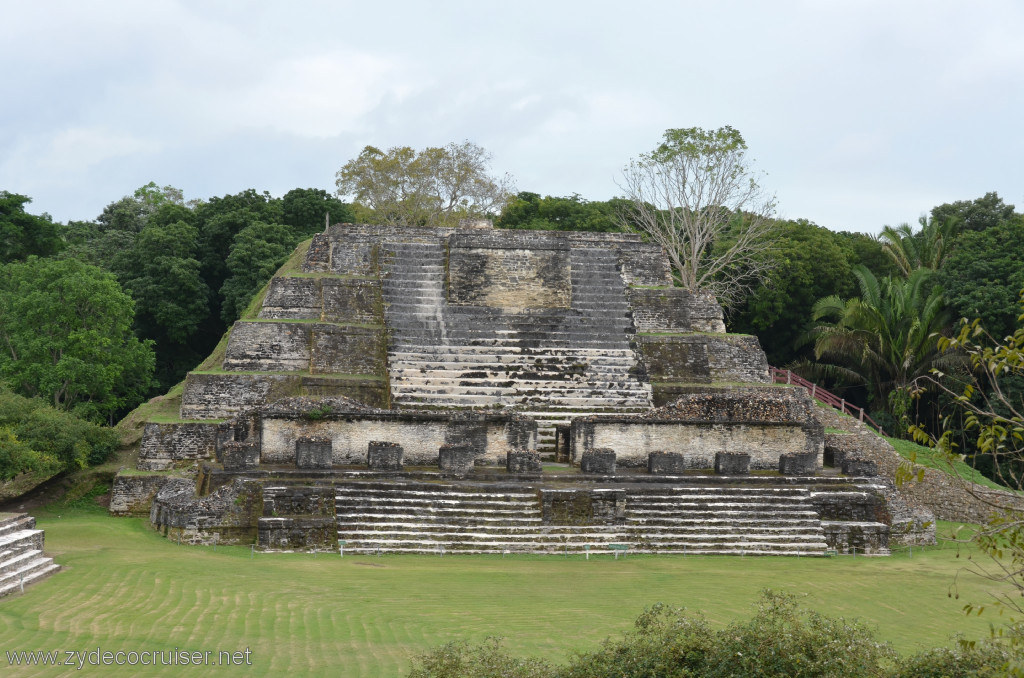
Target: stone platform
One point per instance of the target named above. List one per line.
(22, 560)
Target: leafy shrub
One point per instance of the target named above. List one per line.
(37, 438)
(486, 660)
(968, 660)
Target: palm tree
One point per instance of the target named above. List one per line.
(926, 249)
(886, 338)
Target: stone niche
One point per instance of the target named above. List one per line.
(507, 278)
(762, 421)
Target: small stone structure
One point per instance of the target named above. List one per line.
(521, 461)
(238, 456)
(859, 467)
(798, 464)
(384, 456)
(457, 459)
(599, 461)
(312, 452)
(22, 560)
(732, 463)
(666, 463)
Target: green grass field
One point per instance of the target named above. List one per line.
(124, 587)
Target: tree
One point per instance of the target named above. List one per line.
(304, 210)
(65, 331)
(258, 251)
(697, 197)
(994, 418)
(23, 234)
(435, 187)
(926, 248)
(162, 275)
(983, 275)
(811, 262)
(975, 215)
(886, 338)
(572, 213)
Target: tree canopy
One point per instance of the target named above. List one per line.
(23, 234)
(438, 186)
(66, 332)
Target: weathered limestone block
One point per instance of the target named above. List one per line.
(678, 357)
(313, 452)
(239, 456)
(352, 300)
(164, 444)
(673, 309)
(295, 298)
(853, 466)
(666, 463)
(644, 264)
(268, 346)
(732, 463)
(839, 446)
(583, 507)
(132, 495)
(456, 459)
(347, 349)
(384, 456)
(865, 504)
(798, 464)
(601, 460)
(849, 537)
(520, 461)
(303, 500)
(354, 257)
(504, 276)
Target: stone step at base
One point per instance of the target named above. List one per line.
(450, 518)
(21, 540)
(743, 549)
(439, 492)
(555, 393)
(38, 568)
(16, 523)
(527, 402)
(537, 356)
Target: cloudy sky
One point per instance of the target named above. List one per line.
(860, 113)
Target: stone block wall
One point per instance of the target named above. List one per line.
(338, 349)
(419, 434)
(643, 264)
(503, 277)
(165, 444)
(352, 300)
(258, 346)
(764, 422)
(132, 495)
(293, 298)
(703, 358)
(673, 309)
(224, 395)
(228, 515)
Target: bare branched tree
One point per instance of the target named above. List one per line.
(697, 197)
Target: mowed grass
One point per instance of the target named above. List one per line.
(124, 587)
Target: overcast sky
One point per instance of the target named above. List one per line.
(860, 113)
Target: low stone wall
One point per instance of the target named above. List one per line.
(132, 495)
(228, 515)
(763, 422)
(224, 395)
(164, 444)
(298, 517)
(345, 300)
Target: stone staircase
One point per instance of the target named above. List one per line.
(726, 520)
(551, 364)
(412, 517)
(21, 553)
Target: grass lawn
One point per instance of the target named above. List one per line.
(126, 588)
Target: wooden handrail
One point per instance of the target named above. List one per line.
(780, 376)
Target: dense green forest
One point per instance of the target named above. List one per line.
(97, 316)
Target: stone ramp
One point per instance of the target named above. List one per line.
(554, 363)
(21, 553)
(412, 517)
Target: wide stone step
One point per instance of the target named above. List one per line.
(21, 540)
(719, 516)
(544, 393)
(31, 571)
(452, 517)
(458, 400)
(16, 523)
(440, 495)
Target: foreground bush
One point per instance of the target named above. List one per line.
(36, 438)
(781, 639)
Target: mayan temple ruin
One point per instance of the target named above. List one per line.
(488, 391)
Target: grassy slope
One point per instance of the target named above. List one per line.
(125, 587)
(926, 456)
